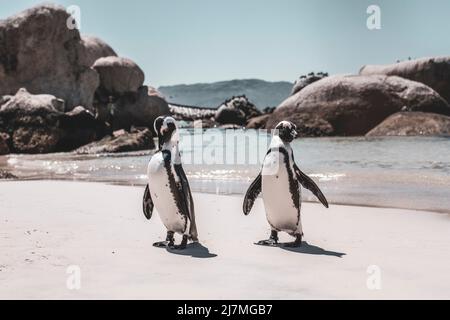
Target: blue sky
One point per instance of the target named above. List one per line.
(190, 41)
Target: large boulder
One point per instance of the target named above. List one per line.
(138, 109)
(79, 127)
(94, 49)
(237, 110)
(225, 115)
(32, 103)
(39, 52)
(258, 122)
(121, 141)
(353, 105)
(37, 124)
(306, 80)
(119, 75)
(413, 124)
(35, 140)
(434, 72)
(310, 125)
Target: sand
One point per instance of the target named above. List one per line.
(48, 226)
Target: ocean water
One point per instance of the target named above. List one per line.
(400, 172)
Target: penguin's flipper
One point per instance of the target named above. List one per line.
(186, 195)
(252, 193)
(309, 184)
(147, 203)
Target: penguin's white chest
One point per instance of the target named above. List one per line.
(162, 195)
(281, 211)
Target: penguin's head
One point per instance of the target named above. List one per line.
(287, 131)
(166, 129)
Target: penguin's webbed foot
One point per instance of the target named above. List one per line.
(161, 244)
(272, 241)
(268, 242)
(168, 243)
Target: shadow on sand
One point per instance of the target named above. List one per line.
(311, 249)
(195, 250)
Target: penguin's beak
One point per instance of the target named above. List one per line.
(166, 133)
(294, 134)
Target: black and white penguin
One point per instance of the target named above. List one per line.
(168, 188)
(280, 181)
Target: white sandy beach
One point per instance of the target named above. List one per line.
(48, 226)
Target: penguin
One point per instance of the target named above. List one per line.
(168, 188)
(280, 182)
